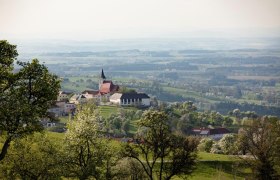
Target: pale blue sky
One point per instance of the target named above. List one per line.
(103, 19)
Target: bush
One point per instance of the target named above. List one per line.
(129, 168)
(227, 143)
(205, 144)
(216, 149)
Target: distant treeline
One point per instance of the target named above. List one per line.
(131, 67)
(124, 53)
(220, 80)
(225, 107)
(264, 70)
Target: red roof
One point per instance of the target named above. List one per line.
(207, 131)
(219, 131)
(108, 87)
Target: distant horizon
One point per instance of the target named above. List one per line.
(35, 46)
(199, 34)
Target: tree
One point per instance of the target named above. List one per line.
(129, 169)
(159, 151)
(216, 118)
(188, 107)
(206, 144)
(227, 121)
(262, 140)
(216, 149)
(86, 152)
(25, 96)
(124, 89)
(227, 143)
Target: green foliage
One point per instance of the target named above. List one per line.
(84, 148)
(216, 149)
(86, 153)
(227, 121)
(8, 54)
(262, 142)
(128, 168)
(25, 96)
(227, 143)
(161, 153)
(120, 122)
(184, 117)
(126, 90)
(32, 157)
(205, 144)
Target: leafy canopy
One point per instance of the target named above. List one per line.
(25, 95)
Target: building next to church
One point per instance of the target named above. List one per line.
(131, 99)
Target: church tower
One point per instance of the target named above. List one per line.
(102, 75)
(102, 78)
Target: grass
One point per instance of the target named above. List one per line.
(106, 111)
(203, 156)
(185, 93)
(216, 170)
(78, 88)
(218, 166)
(133, 127)
(55, 135)
(64, 119)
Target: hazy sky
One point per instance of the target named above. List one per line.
(99, 19)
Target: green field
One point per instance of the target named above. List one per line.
(185, 93)
(106, 111)
(218, 166)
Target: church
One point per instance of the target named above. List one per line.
(106, 86)
(106, 89)
(109, 92)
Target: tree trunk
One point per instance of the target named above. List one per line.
(5, 147)
(161, 168)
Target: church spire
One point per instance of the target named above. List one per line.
(102, 75)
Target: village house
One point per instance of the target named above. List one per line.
(130, 99)
(215, 134)
(78, 99)
(90, 94)
(56, 110)
(69, 108)
(62, 108)
(63, 96)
